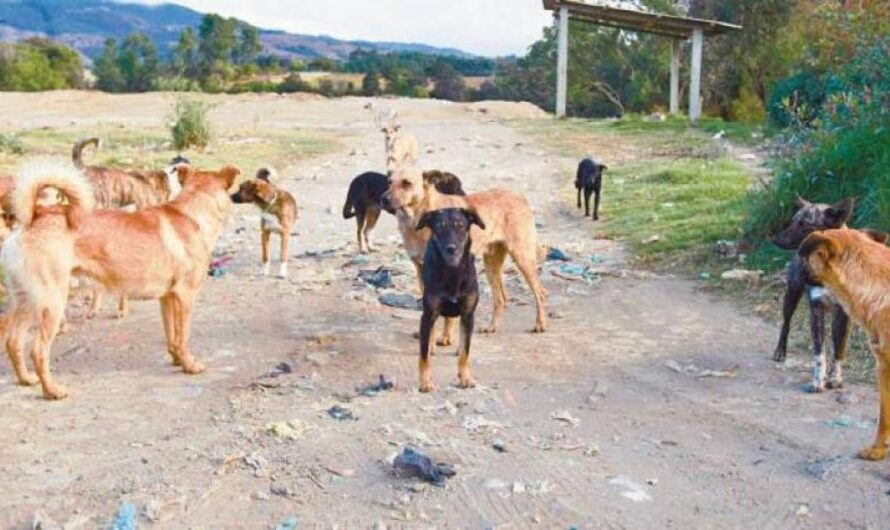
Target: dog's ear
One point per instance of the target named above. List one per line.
(229, 173)
(184, 172)
(876, 235)
(839, 213)
(264, 190)
(801, 203)
(426, 221)
(818, 243)
(474, 218)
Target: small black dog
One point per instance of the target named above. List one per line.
(809, 218)
(590, 179)
(450, 286)
(363, 201)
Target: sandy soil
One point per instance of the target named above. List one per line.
(646, 405)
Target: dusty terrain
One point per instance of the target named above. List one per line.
(646, 405)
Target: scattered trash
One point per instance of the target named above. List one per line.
(803, 511)
(380, 278)
(125, 518)
(494, 484)
(632, 490)
(361, 259)
(415, 463)
(705, 275)
(218, 266)
(742, 275)
(402, 301)
(152, 510)
(566, 417)
(846, 422)
(652, 482)
(592, 450)
(289, 430)
(288, 524)
(726, 248)
(341, 413)
(596, 259)
(499, 446)
(571, 271)
(536, 487)
(381, 386)
(700, 373)
(651, 239)
(478, 423)
(281, 369)
(555, 254)
(821, 468)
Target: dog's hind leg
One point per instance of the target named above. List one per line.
(463, 352)
(370, 223)
(17, 322)
(817, 333)
(265, 236)
(168, 316)
(596, 204)
(427, 321)
(95, 303)
(48, 319)
(183, 323)
(579, 196)
(528, 266)
(360, 229)
(285, 243)
(840, 333)
(878, 451)
(793, 293)
(447, 336)
(587, 193)
(494, 270)
(123, 307)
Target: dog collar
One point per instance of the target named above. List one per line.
(271, 203)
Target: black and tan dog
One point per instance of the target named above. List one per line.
(811, 217)
(450, 286)
(279, 214)
(363, 201)
(589, 179)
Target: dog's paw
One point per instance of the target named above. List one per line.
(815, 388)
(466, 382)
(282, 271)
(120, 315)
(264, 269)
(55, 393)
(779, 355)
(488, 330)
(193, 367)
(426, 388)
(539, 328)
(444, 341)
(27, 380)
(873, 453)
(835, 384)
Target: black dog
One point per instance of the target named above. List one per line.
(809, 218)
(590, 179)
(444, 182)
(450, 286)
(363, 201)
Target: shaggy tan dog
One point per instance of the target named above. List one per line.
(856, 269)
(510, 230)
(161, 252)
(401, 147)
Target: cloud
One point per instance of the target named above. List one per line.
(484, 27)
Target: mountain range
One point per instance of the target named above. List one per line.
(85, 24)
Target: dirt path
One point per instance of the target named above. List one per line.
(672, 414)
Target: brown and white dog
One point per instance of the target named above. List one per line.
(855, 266)
(279, 214)
(161, 252)
(510, 230)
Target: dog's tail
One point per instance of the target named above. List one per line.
(39, 174)
(77, 151)
(351, 198)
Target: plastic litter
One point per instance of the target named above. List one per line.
(555, 254)
(125, 518)
(402, 301)
(281, 369)
(415, 463)
(380, 278)
(341, 413)
(288, 524)
(381, 386)
(218, 266)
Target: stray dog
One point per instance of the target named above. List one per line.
(450, 286)
(809, 218)
(589, 178)
(161, 252)
(279, 213)
(856, 269)
(510, 231)
(401, 148)
(444, 182)
(363, 203)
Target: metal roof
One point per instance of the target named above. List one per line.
(648, 22)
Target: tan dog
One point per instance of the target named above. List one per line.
(856, 269)
(510, 229)
(161, 252)
(120, 188)
(279, 213)
(401, 148)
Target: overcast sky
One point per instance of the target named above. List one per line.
(484, 27)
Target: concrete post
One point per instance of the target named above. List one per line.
(695, 81)
(675, 76)
(562, 62)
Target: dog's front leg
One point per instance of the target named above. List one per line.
(285, 242)
(265, 236)
(840, 333)
(579, 195)
(17, 321)
(95, 303)
(878, 451)
(596, 204)
(427, 321)
(168, 317)
(467, 321)
(123, 307)
(182, 324)
(793, 293)
(587, 193)
(817, 333)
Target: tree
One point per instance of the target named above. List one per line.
(138, 61)
(218, 39)
(109, 77)
(186, 57)
(38, 64)
(371, 83)
(249, 46)
(448, 83)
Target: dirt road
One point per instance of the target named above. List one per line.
(646, 405)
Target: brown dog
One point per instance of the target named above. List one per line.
(279, 213)
(510, 229)
(856, 269)
(161, 252)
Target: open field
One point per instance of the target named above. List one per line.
(647, 404)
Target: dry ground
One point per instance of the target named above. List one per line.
(672, 413)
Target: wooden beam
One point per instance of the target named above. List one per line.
(562, 62)
(695, 80)
(675, 76)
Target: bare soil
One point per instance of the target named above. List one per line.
(647, 404)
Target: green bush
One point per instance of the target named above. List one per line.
(844, 151)
(191, 127)
(11, 144)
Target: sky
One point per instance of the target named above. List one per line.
(482, 27)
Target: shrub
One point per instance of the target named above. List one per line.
(11, 144)
(191, 127)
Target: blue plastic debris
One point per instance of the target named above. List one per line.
(125, 518)
(555, 254)
(417, 464)
(288, 524)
